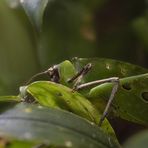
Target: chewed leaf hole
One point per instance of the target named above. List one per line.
(127, 86)
(145, 96)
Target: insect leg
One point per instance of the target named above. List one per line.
(112, 95)
(79, 76)
(35, 76)
(115, 81)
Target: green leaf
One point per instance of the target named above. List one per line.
(17, 49)
(139, 140)
(59, 96)
(131, 100)
(41, 125)
(55, 95)
(105, 68)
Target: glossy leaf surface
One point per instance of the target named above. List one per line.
(105, 68)
(58, 96)
(17, 49)
(37, 124)
(55, 95)
(131, 100)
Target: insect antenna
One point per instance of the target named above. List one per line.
(35, 76)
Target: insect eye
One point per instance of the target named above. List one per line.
(50, 71)
(54, 74)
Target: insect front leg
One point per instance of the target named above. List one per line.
(79, 76)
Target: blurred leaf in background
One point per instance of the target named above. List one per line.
(137, 141)
(18, 59)
(89, 28)
(140, 26)
(64, 29)
(116, 37)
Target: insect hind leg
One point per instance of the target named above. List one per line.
(115, 81)
(112, 95)
(77, 86)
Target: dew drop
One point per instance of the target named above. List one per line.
(68, 102)
(68, 143)
(92, 123)
(40, 107)
(28, 110)
(27, 135)
(22, 1)
(107, 66)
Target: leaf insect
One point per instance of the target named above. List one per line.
(76, 78)
(77, 86)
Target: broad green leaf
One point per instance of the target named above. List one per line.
(17, 49)
(131, 100)
(55, 95)
(139, 140)
(59, 96)
(42, 125)
(105, 68)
